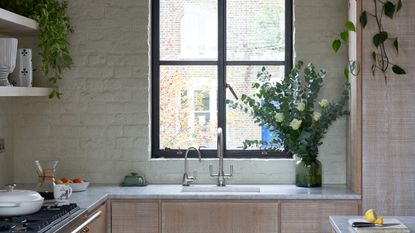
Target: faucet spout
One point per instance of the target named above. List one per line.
(186, 178)
(221, 174)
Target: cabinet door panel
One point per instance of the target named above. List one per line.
(100, 224)
(135, 217)
(313, 216)
(219, 216)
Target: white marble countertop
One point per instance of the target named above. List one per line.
(341, 223)
(96, 194)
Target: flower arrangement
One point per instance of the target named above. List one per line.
(291, 110)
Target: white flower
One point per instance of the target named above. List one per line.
(324, 103)
(279, 117)
(295, 124)
(301, 107)
(316, 116)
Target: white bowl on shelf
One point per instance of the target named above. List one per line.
(8, 53)
(79, 187)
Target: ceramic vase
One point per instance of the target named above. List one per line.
(8, 52)
(23, 76)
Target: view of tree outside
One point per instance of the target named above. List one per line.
(255, 30)
(239, 124)
(188, 106)
(189, 94)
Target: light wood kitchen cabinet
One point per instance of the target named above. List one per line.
(135, 216)
(313, 216)
(99, 225)
(219, 216)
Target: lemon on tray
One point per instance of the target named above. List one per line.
(371, 216)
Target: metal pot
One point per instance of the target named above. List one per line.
(19, 202)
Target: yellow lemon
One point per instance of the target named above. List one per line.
(379, 221)
(370, 216)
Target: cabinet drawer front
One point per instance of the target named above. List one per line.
(135, 217)
(218, 216)
(313, 216)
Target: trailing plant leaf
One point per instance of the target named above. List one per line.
(389, 9)
(363, 19)
(398, 70)
(345, 36)
(399, 5)
(350, 26)
(379, 38)
(374, 56)
(336, 45)
(396, 45)
(54, 30)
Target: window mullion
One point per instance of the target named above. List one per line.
(221, 67)
(288, 36)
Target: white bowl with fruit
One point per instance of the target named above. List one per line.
(77, 184)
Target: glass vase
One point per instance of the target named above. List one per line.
(308, 173)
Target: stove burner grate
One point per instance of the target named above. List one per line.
(39, 222)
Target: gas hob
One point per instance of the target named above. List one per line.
(39, 222)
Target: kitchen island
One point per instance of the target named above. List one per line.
(341, 224)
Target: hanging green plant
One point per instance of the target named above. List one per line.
(380, 39)
(54, 30)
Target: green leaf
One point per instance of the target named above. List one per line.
(350, 26)
(336, 45)
(345, 36)
(363, 19)
(398, 70)
(396, 45)
(399, 5)
(380, 38)
(389, 9)
(52, 94)
(346, 73)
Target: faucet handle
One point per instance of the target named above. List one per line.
(211, 171)
(230, 172)
(188, 180)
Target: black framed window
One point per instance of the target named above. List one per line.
(201, 51)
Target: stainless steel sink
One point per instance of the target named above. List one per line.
(217, 189)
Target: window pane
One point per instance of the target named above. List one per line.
(239, 125)
(188, 106)
(188, 30)
(256, 30)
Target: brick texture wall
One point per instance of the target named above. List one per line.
(100, 129)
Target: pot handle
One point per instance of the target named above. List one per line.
(9, 205)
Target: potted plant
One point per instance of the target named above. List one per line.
(54, 31)
(297, 119)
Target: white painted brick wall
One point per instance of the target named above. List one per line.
(100, 129)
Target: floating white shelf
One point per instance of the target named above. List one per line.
(12, 24)
(25, 91)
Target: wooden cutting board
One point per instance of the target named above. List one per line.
(401, 228)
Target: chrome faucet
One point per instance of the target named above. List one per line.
(221, 174)
(187, 180)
